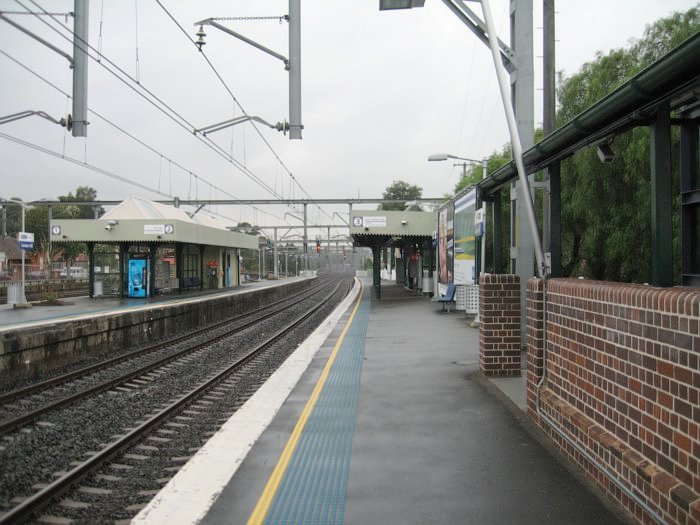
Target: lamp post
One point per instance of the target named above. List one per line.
(23, 297)
(445, 156)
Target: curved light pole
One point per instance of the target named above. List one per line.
(445, 156)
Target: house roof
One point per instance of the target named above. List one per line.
(10, 247)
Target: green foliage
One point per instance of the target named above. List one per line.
(606, 208)
(400, 190)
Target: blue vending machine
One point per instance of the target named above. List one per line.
(138, 276)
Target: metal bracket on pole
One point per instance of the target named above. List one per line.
(38, 39)
(65, 122)
(291, 64)
(213, 23)
(479, 28)
(280, 126)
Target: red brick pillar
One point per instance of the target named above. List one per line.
(535, 341)
(499, 330)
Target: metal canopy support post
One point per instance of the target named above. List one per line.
(690, 205)
(551, 227)
(376, 269)
(274, 253)
(295, 125)
(661, 201)
(496, 235)
(306, 241)
(80, 77)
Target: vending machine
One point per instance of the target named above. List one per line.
(138, 276)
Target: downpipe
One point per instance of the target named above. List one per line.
(554, 426)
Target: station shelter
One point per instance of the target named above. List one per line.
(406, 237)
(142, 248)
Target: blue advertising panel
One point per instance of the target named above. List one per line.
(138, 277)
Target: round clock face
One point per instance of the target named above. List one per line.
(56, 230)
(357, 221)
(169, 228)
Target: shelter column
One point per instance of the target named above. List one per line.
(661, 200)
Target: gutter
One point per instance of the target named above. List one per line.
(672, 73)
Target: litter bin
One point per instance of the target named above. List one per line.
(98, 289)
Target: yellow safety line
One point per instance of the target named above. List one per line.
(263, 505)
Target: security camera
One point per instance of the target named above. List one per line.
(108, 227)
(605, 152)
(404, 222)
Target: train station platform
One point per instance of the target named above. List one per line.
(389, 422)
(77, 307)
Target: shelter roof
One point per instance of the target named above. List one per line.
(138, 220)
(392, 223)
(137, 208)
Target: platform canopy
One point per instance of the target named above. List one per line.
(138, 220)
(369, 226)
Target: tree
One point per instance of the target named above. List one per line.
(249, 258)
(400, 190)
(606, 214)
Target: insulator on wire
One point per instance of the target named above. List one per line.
(200, 38)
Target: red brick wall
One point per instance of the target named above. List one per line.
(623, 381)
(499, 325)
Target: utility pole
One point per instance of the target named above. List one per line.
(551, 230)
(80, 68)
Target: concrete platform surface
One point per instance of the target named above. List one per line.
(74, 307)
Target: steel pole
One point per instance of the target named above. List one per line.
(515, 139)
(295, 125)
(80, 78)
(24, 297)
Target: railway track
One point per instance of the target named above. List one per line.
(200, 404)
(210, 333)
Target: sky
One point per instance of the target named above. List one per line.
(381, 91)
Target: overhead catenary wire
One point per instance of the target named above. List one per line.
(170, 113)
(223, 83)
(161, 105)
(125, 132)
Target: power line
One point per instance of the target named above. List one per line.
(81, 163)
(173, 115)
(223, 82)
(131, 136)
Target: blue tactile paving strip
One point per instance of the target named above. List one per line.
(313, 487)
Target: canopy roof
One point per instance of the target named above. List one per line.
(138, 220)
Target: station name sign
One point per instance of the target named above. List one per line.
(369, 222)
(158, 229)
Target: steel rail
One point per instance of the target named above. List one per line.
(43, 497)
(33, 415)
(11, 395)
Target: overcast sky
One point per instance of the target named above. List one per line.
(380, 92)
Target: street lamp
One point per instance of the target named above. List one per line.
(23, 298)
(444, 156)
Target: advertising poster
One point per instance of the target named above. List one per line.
(465, 241)
(445, 244)
(138, 277)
